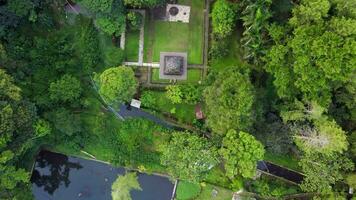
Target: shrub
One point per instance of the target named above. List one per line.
(223, 18)
(148, 99)
(134, 20)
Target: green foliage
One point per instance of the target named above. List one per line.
(351, 180)
(8, 90)
(148, 99)
(117, 84)
(132, 144)
(174, 93)
(310, 11)
(229, 101)
(10, 176)
(114, 56)
(65, 122)
(218, 49)
(241, 151)
(123, 185)
(316, 58)
(267, 187)
(315, 132)
(98, 5)
(134, 20)
(188, 156)
(223, 18)
(322, 171)
(143, 3)
(88, 45)
(42, 128)
(255, 18)
(65, 89)
(189, 93)
(187, 190)
(111, 25)
(20, 7)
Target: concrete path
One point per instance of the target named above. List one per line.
(156, 65)
(142, 38)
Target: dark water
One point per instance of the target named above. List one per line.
(280, 171)
(61, 177)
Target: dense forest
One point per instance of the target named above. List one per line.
(286, 89)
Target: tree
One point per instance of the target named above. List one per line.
(314, 131)
(65, 122)
(117, 84)
(148, 99)
(66, 89)
(188, 156)
(143, 3)
(121, 188)
(113, 24)
(321, 171)
(10, 176)
(21, 7)
(229, 101)
(241, 152)
(223, 18)
(315, 56)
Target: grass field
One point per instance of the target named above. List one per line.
(176, 36)
(207, 193)
(193, 76)
(132, 45)
(234, 56)
(187, 190)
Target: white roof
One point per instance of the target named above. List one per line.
(135, 103)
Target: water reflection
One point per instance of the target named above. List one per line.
(51, 170)
(60, 177)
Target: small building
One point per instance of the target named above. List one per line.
(198, 112)
(173, 66)
(135, 103)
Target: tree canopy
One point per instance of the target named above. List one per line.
(117, 84)
(317, 57)
(241, 152)
(229, 101)
(188, 156)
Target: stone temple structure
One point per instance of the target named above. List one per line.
(173, 65)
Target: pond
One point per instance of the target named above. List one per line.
(56, 176)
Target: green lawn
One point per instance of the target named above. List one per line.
(177, 36)
(234, 56)
(187, 190)
(183, 112)
(132, 45)
(207, 193)
(193, 76)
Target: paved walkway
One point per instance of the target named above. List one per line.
(142, 38)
